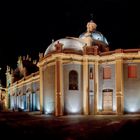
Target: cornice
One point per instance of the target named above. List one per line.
(106, 57)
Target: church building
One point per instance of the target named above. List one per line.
(77, 76)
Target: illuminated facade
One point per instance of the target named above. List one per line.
(23, 86)
(79, 76)
(3, 98)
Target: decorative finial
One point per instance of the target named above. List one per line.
(19, 60)
(27, 57)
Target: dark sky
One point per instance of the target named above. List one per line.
(28, 28)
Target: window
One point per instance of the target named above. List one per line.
(132, 71)
(73, 80)
(107, 73)
(91, 73)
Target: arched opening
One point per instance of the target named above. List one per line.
(29, 99)
(73, 80)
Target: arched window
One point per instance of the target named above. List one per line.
(73, 80)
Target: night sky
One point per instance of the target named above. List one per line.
(28, 28)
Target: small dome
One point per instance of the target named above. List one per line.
(95, 36)
(68, 43)
(91, 35)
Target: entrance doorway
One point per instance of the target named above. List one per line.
(107, 100)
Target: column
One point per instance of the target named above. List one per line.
(58, 88)
(85, 86)
(119, 86)
(7, 102)
(41, 88)
(96, 86)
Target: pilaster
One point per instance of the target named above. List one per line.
(58, 87)
(41, 72)
(85, 86)
(96, 86)
(119, 87)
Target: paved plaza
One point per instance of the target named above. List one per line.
(20, 124)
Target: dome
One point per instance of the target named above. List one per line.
(90, 38)
(68, 43)
(91, 35)
(95, 36)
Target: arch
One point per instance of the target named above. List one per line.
(28, 90)
(19, 92)
(73, 80)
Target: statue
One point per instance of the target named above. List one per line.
(40, 56)
(91, 26)
(8, 69)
